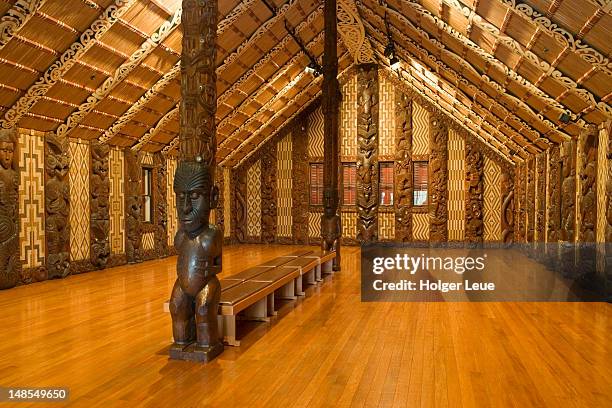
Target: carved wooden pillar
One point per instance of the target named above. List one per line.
(519, 232)
(507, 215)
(403, 167)
(474, 164)
(568, 192)
(438, 169)
(530, 200)
(299, 158)
(540, 197)
(219, 212)
(160, 201)
(588, 185)
(608, 189)
(554, 196)
(99, 183)
(268, 193)
(367, 153)
(133, 207)
(10, 266)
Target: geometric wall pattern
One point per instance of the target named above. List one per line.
(147, 159)
(284, 187)
(420, 226)
(386, 224)
(492, 201)
(314, 224)
(349, 224)
(386, 117)
(227, 205)
(171, 200)
(348, 119)
(32, 198)
(117, 200)
(456, 186)
(79, 200)
(254, 200)
(148, 241)
(420, 131)
(315, 133)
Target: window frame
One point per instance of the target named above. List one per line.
(352, 165)
(391, 165)
(310, 186)
(147, 184)
(414, 184)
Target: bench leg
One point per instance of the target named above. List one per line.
(287, 292)
(298, 286)
(327, 267)
(318, 276)
(258, 311)
(310, 277)
(229, 331)
(271, 311)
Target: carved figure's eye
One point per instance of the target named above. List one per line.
(195, 195)
(181, 195)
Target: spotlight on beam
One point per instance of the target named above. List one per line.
(394, 62)
(565, 118)
(313, 68)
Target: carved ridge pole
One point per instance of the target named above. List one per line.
(194, 302)
(331, 224)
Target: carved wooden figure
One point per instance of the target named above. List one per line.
(160, 202)
(507, 215)
(9, 209)
(100, 202)
(588, 190)
(438, 168)
(403, 167)
(474, 225)
(540, 196)
(133, 207)
(554, 196)
(568, 193)
(268, 194)
(530, 201)
(299, 175)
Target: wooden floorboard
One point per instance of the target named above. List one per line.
(105, 336)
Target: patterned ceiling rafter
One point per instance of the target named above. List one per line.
(501, 91)
(146, 48)
(134, 109)
(353, 33)
(492, 60)
(65, 62)
(16, 17)
(233, 15)
(170, 116)
(548, 70)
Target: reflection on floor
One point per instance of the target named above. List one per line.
(105, 336)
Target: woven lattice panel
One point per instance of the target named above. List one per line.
(254, 200)
(386, 225)
(32, 198)
(79, 201)
(148, 241)
(420, 226)
(117, 201)
(456, 186)
(314, 225)
(284, 218)
(348, 119)
(386, 117)
(315, 133)
(227, 204)
(171, 201)
(349, 224)
(420, 130)
(492, 200)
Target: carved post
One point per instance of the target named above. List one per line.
(160, 201)
(438, 168)
(299, 175)
(568, 192)
(331, 225)
(588, 190)
(133, 207)
(554, 196)
(268, 194)
(519, 232)
(474, 211)
(195, 297)
(403, 167)
(367, 153)
(100, 198)
(239, 223)
(507, 215)
(10, 267)
(540, 197)
(531, 186)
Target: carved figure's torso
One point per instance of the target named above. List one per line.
(199, 258)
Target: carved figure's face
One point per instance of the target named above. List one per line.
(7, 150)
(195, 196)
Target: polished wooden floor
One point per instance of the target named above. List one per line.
(105, 336)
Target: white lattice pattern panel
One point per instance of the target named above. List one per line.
(171, 200)
(32, 198)
(117, 201)
(147, 159)
(254, 200)
(227, 197)
(386, 226)
(456, 186)
(148, 241)
(492, 201)
(420, 131)
(420, 226)
(315, 133)
(314, 224)
(79, 201)
(386, 117)
(348, 118)
(284, 182)
(349, 224)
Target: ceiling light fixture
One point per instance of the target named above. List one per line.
(313, 67)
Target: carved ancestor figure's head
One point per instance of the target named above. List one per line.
(196, 195)
(8, 140)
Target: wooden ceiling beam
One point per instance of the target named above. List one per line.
(16, 18)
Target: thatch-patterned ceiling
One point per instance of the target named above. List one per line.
(109, 69)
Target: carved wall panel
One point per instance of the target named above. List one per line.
(227, 202)
(316, 134)
(386, 118)
(348, 120)
(284, 187)
(588, 186)
(299, 212)
(554, 195)
(367, 153)
(520, 211)
(420, 130)
(268, 193)
(117, 200)
(220, 210)
(253, 200)
(530, 200)
(609, 191)
(133, 206)
(350, 27)
(438, 180)
(100, 205)
(507, 206)
(403, 167)
(568, 192)
(456, 186)
(474, 211)
(420, 226)
(160, 201)
(171, 163)
(10, 267)
(240, 213)
(540, 197)
(80, 243)
(492, 201)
